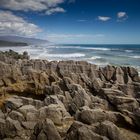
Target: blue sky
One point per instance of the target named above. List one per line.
(73, 21)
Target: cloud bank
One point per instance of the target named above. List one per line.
(49, 6)
(14, 25)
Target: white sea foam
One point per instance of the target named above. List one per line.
(99, 63)
(98, 49)
(128, 51)
(79, 47)
(95, 57)
(136, 56)
(50, 56)
(70, 55)
(64, 47)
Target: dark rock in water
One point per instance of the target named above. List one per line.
(71, 100)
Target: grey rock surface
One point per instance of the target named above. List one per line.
(67, 100)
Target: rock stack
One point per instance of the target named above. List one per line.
(67, 100)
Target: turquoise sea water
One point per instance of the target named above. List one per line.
(125, 55)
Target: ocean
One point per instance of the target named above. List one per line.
(124, 55)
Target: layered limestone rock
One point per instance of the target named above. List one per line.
(42, 100)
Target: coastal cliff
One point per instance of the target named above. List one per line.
(71, 100)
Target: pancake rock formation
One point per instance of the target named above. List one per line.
(67, 100)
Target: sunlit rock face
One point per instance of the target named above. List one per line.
(42, 100)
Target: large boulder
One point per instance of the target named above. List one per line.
(16, 116)
(110, 130)
(45, 130)
(133, 74)
(79, 98)
(91, 116)
(79, 131)
(54, 112)
(29, 112)
(108, 72)
(12, 103)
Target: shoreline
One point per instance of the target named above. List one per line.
(88, 61)
(122, 56)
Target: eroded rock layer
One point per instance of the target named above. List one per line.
(42, 100)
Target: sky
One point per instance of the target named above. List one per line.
(73, 21)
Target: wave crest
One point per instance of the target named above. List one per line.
(95, 57)
(71, 55)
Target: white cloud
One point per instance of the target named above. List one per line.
(14, 25)
(55, 10)
(103, 18)
(122, 16)
(32, 5)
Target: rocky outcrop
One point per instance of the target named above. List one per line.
(71, 100)
(45, 130)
